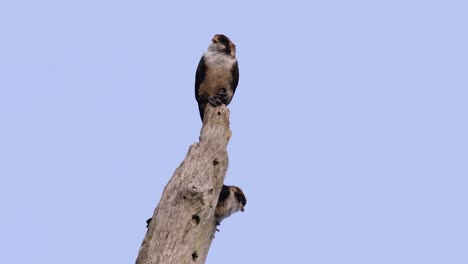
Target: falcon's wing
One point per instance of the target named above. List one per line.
(199, 76)
(235, 77)
(224, 193)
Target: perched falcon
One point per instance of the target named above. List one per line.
(217, 74)
(231, 200)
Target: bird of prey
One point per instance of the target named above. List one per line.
(231, 200)
(217, 74)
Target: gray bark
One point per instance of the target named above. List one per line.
(183, 224)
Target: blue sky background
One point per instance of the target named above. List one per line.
(350, 133)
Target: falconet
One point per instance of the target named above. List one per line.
(217, 74)
(231, 200)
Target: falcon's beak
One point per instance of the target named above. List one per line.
(242, 209)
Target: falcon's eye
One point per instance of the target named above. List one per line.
(223, 41)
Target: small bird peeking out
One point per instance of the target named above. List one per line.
(231, 200)
(217, 74)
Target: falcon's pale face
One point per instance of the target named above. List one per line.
(222, 43)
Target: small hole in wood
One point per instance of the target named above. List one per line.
(196, 219)
(194, 255)
(215, 162)
(219, 113)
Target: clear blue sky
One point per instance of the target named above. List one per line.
(350, 132)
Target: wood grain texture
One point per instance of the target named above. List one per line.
(183, 224)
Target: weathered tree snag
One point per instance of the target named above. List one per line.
(183, 224)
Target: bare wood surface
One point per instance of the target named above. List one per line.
(183, 224)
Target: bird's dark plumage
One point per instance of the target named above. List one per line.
(224, 193)
(217, 74)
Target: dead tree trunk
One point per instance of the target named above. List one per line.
(183, 223)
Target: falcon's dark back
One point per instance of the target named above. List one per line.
(217, 74)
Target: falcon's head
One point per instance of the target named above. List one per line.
(240, 197)
(231, 200)
(223, 44)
